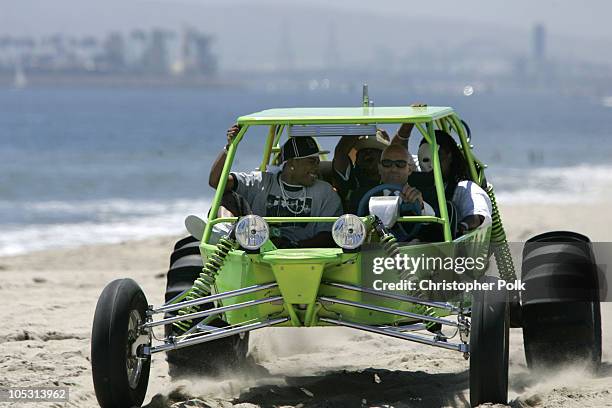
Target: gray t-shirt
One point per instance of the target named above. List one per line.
(264, 194)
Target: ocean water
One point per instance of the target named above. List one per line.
(84, 166)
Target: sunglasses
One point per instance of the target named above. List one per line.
(398, 163)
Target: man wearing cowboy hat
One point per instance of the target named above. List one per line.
(355, 165)
(295, 191)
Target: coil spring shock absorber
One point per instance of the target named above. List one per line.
(501, 251)
(203, 284)
(389, 244)
(387, 240)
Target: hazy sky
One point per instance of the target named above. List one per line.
(255, 29)
(587, 19)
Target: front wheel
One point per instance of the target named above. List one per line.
(120, 376)
(489, 339)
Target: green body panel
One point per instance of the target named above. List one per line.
(301, 275)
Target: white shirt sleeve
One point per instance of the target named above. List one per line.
(470, 199)
(428, 210)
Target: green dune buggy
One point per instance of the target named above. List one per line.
(221, 287)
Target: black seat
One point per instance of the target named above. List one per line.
(326, 171)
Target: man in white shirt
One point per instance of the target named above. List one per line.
(470, 200)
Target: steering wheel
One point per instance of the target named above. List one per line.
(398, 230)
(362, 208)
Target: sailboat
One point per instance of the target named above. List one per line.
(20, 81)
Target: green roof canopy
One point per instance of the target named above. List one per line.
(393, 114)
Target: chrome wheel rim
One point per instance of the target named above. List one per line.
(133, 363)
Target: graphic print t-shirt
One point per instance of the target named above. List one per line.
(263, 192)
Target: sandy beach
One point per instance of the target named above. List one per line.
(49, 297)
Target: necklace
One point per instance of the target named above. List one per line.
(286, 198)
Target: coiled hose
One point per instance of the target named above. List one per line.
(203, 284)
(501, 250)
(391, 248)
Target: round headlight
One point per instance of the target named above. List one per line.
(252, 232)
(349, 231)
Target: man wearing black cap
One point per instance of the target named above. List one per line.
(294, 192)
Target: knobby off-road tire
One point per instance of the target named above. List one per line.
(184, 241)
(560, 303)
(206, 359)
(120, 379)
(489, 339)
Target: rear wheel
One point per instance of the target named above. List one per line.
(190, 248)
(489, 339)
(208, 358)
(561, 309)
(183, 241)
(120, 376)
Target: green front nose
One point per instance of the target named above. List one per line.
(299, 284)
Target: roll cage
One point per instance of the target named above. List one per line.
(425, 119)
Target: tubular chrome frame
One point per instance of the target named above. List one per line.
(200, 333)
(210, 312)
(170, 306)
(173, 345)
(389, 311)
(407, 328)
(433, 341)
(403, 298)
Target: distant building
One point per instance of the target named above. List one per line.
(155, 58)
(136, 47)
(158, 52)
(114, 52)
(539, 42)
(196, 55)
